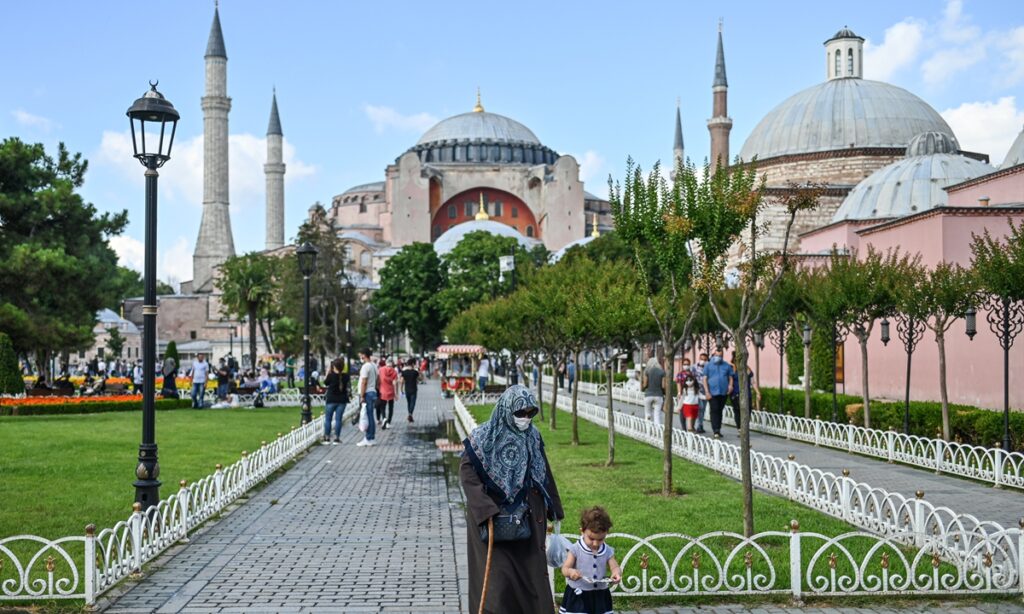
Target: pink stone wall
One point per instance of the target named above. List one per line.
(1000, 190)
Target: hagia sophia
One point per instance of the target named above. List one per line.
(893, 171)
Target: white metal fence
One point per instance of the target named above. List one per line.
(984, 554)
(84, 567)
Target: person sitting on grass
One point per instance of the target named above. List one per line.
(586, 587)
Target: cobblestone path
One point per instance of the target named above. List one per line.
(347, 529)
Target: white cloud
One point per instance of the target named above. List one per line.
(986, 127)
(900, 48)
(592, 169)
(1012, 47)
(384, 118)
(175, 265)
(946, 63)
(182, 177)
(130, 251)
(36, 122)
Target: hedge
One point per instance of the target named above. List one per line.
(89, 408)
(10, 373)
(968, 424)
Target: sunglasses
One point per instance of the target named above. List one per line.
(525, 413)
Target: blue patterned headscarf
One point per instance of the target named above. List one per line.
(502, 453)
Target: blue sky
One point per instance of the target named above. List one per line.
(359, 82)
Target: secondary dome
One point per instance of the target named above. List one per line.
(1016, 154)
(912, 184)
(479, 125)
(842, 113)
(451, 237)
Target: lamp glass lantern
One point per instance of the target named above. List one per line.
(154, 122)
(971, 318)
(885, 331)
(759, 340)
(307, 253)
(807, 335)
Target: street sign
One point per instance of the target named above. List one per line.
(506, 263)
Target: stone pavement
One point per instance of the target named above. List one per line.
(1004, 506)
(347, 529)
(951, 608)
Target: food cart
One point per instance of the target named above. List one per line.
(458, 366)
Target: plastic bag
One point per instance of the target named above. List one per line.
(364, 421)
(557, 547)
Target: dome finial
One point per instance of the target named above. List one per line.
(482, 213)
(479, 108)
(595, 232)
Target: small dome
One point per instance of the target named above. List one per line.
(479, 125)
(1016, 154)
(555, 257)
(451, 237)
(928, 143)
(907, 186)
(844, 33)
(842, 114)
(376, 186)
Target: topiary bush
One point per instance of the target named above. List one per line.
(822, 366)
(89, 408)
(10, 375)
(794, 358)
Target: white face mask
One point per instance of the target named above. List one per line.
(522, 423)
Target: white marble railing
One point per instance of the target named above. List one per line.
(982, 545)
(83, 567)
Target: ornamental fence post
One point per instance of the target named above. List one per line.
(844, 495)
(89, 571)
(939, 445)
(789, 425)
(851, 432)
(890, 444)
(218, 486)
(183, 502)
(817, 432)
(795, 560)
(244, 482)
(919, 528)
(1020, 554)
(136, 524)
(997, 465)
(791, 477)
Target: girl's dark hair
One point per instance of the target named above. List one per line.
(339, 365)
(595, 519)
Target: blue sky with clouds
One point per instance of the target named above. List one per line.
(358, 83)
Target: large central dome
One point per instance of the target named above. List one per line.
(479, 125)
(841, 114)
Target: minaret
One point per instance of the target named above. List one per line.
(720, 123)
(215, 244)
(678, 152)
(274, 170)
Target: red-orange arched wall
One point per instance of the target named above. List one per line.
(514, 212)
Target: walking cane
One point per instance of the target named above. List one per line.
(487, 566)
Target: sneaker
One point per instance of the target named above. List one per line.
(700, 431)
(364, 442)
(718, 435)
(336, 441)
(410, 417)
(384, 425)
(371, 442)
(325, 441)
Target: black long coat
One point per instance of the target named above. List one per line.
(518, 581)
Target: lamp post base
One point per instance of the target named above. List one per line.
(307, 411)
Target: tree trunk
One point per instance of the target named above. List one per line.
(540, 387)
(940, 338)
(611, 416)
(807, 382)
(575, 393)
(252, 337)
(757, 369)
(43, 366)
(266, 337)
(863, 339)
(554, 393)
(670, 360)
(744, 409)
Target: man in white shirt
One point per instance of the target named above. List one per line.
(101, 368)
(483, 372)
(368, 394)
(200, 372)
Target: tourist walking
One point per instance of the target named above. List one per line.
(411, 378)
(483, 373)
(504, 471)
(223, 380)
(752, 390)
(388, 377)
(199, 373)
(702, 403)
(368, 395)
(586, 566)
(718, 379)
(570, 372)
(336, 398)
(170, 373)
(688, 391)
(137, 379)
(653, 385)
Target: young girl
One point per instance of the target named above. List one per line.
(689, 400)
(588, 560)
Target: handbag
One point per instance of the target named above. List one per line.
(557, 547)
(511, 524)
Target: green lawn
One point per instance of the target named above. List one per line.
(60, 473)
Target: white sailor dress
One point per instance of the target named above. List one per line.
(588, 595)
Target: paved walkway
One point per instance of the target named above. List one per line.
(950, 608)
(1005, 506)
(347, 529)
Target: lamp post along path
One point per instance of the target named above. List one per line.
(910, 330)
(1006, 320)
(150, 114)
(307, 265)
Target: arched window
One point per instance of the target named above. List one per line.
(452, 211)
(849, 63)
(529, 231)
(364, 259)
(362, 205)
(839, 65)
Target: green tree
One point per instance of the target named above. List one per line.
(607, 248)
(56, 266)
(728, 210)
(409, 284)
(288, 335)
(10, 374)
(868, 289)
(115, 341)
(248, 285)
(826, 308)
(471, 274)
(947, 292)
(128, 283)
(171, 351)
(657, 223)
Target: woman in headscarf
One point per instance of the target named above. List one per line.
(504, 464)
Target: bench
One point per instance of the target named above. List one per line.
(494, 388)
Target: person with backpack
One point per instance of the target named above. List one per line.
(336, 398)
(411, 379)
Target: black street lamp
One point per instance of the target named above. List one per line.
(839, 333)
(1006, 320)
(231, 341)
(307, 264)
(350, 297)
(807, 335)
(910, 330)
(778, 338)
(971, 320)
(150, 114)
(885, 332)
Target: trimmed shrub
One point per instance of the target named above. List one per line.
(10, 374)
(794, 357)
(89, 408)
(822, 366)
